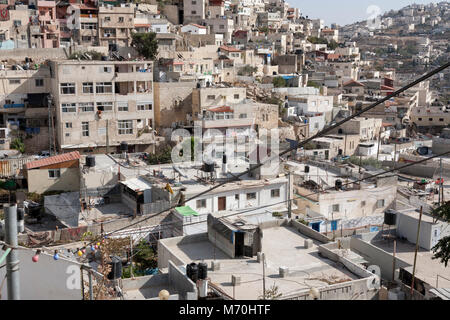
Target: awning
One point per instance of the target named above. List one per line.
(186, 211)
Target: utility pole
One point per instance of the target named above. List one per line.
(379, 142)
(393, 260)
(415, 253)
(12, 260)
(289, 196)
(131, 256)
(107, 136)
(440, 183)
(395, 155)
(263, 256)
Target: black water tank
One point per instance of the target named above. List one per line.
(338, 184)
(423, 151)
(124, 146)
(208, 167)
(20, 214)
(90, 161)
(306, 169)
(194, 272)
(390, 217)
(202, 270)
(188, 271)
(224, 158)
(116, 268)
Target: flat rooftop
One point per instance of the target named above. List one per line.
(426, 268)
(283, 247)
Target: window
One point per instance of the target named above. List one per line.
(106, 69)
(125, 126)
(67, 88)
(103, 87)
(39, 82)
(104, 106)
(85, 38)
(211, 97)
(88, 87)
(193, 12)
(243, 116)
(380, 203)
(420, 119)
(86, 107)
(194, 2)
(430, 119)
(201, 203)
(68, 125)
(275, 193)
(363, 203)
(316, 125)
(145, 106)
(236, 197)
(441, 119)
(107, 18)
(120, 19)
(85, 129)
(14, 81)
(335, 208)
(221, 26)
(251, 195)
(122, 106)
(54, 173)
(69, 107)
(236, 96)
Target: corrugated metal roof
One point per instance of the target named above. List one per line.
(12, 167)
(443, 293)
(75, 155)
(137, 184)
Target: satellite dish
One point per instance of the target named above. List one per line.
(179, 171)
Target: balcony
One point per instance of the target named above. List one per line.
(14, 105)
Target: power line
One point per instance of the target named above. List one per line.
(302, 143)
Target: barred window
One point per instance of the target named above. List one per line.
(122, 106)
(104, 106)
(69, 107)
(87, 107)
(144, 106)
(85, 129)
(67, 88)
(125, 126)
(88, 87)
(103, 87)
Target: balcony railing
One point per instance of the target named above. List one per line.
(14, 105)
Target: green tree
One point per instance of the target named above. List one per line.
(279, 82)
(163, 155)
(145, 44)
(18, 144)
(144, 256)
(442, 249)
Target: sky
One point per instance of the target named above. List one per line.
(348, 11)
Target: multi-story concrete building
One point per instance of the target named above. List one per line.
(194, 11)
(115, 25)
(100, 104)
(49, 31)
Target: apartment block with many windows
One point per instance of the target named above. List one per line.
(100, 103)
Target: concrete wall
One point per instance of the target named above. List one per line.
(39, 181)
(45, 280)
(173, 101)
(307, 231)
(178, 279)
(377, 257)
(145, 282)
(165, 254)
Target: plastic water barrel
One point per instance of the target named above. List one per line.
(202, 270)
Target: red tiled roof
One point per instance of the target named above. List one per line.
(75, 155)
(353, 82)
(383, 87)
(197, 25)
(333, 56)
(221, 109)
(229, 49)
